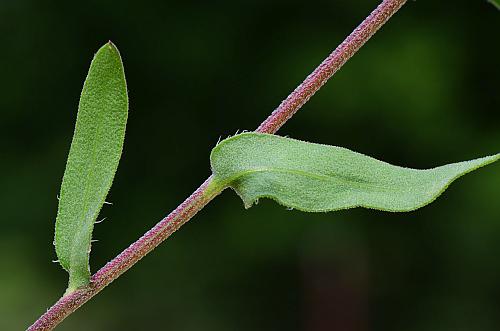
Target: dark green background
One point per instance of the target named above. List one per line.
(423, 92)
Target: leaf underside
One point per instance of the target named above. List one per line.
(92, 162)
(320, 178)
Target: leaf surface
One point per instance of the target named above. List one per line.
(92, 162)
(319, 178)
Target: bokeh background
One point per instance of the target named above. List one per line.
(423, 92)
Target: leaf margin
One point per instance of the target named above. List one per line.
(249, 202)
(80, 275)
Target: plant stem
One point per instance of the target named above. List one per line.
(330, 65)
(208, 190)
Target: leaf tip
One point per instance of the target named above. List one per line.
(109, 48)
(111, 45)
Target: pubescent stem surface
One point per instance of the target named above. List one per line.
(330, 65)
(209, 190)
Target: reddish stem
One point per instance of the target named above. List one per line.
(206, 192)
(330, 65)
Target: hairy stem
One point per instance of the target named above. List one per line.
(208, 190)
(330, 65)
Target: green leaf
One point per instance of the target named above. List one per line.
(318, 178)
(495, 3)
(92, 162)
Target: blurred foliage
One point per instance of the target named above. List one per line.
(423, 92)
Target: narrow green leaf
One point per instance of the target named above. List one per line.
(318, 178)
(92, 162)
